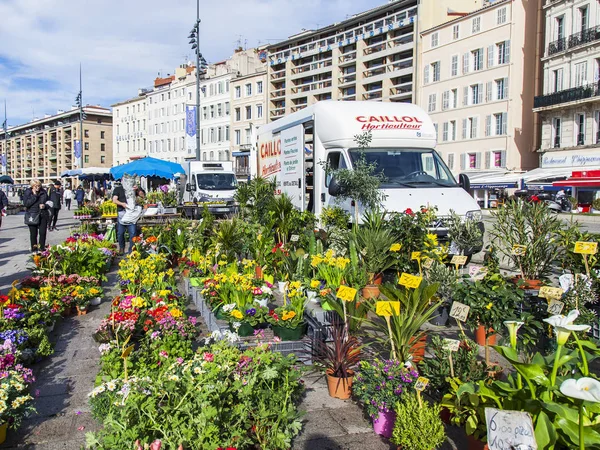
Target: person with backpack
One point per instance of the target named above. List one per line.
(36, 214)
(79, 196)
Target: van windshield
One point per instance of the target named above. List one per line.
(216, 181)
(406, 167)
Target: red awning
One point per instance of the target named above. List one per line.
(579, 182)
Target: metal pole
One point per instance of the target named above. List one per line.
(80, 162)
(198, 80)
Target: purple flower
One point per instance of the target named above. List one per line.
(251, 312)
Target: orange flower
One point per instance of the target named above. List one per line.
(36, 260)
(151, 240)
(136, 239)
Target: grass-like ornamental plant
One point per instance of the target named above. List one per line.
(418, 427)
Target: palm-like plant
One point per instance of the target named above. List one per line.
(339, 357)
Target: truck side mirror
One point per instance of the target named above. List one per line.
(464, 182)
(334, 187)
(188, 187)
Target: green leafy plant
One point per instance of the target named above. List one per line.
(341, 356)
(375, 242)
(466, 234)
(418, 426)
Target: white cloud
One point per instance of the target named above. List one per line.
(122, 45)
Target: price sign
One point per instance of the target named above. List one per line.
(519, 250)
(550, 293)
(427, 263)
(127, 351)
(555, 307)
(458, 260)
(451, 344)
(459, 311)
(586, 248)
(421, 384)
(509, 429)
(346, 293)
(477, 272)
(294, 238)
(386, 309)
(410, 281)
(416, 255)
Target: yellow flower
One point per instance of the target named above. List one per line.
(289, 315)
(395, 247)
(176, 312)
(138, 302)
(433, 238)
(489, 305)
(315, 284)
(237, 314)
(295, 285)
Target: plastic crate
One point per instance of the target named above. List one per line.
(595, 330)
(301, 349)
(323, 331)
(315, 311)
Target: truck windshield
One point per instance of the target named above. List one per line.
(404, 167)
(216, 181)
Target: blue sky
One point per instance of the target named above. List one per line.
(123, 45)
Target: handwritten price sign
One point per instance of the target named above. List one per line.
(555, 307)
(509, 429)
(387, 309)
(459, 311)
(586, 248)
(451, 344)
(477, 272)
(410, 281)
(427, 263)
(421, 384)
(294, 238)
(416, 255)
(519, 250)
(550, 293)
(346, 293)
(458, 260)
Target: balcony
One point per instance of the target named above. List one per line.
(347, 79)
(373, 95)
(299, 107)
(401, 90)
(242, 171)
(312, 66)
(568, 95)
(278, 74)
(380, 70)
(378, 47)
(347, 58)
(575, 40)
(279, 93)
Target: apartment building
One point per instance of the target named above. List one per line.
(478, 83)
(369, 56)
(249, 106)
(569, 107)
(44, 148)
(130, 129)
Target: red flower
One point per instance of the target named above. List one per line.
(209, 357)
(409, 212)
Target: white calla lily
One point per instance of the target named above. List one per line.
(513, 327)
(583, 389)
(563, 325)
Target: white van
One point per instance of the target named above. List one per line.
(211, 183)
(295, 148)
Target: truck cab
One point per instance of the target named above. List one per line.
(211, 183)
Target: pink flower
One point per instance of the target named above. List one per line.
(209, 357)
(179, 361)
(163, 354)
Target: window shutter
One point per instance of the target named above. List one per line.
(480, 93)
(559, 80)
(474, 130)
(466, 96)
(503, 158)
(445, 97)
(478, 160)
(487, 159)
(465, 63)
(426, 74)
(505, 90)
(507, 51)
(489, 92)
(464, 132)
(451, 161)
(490, 56)
(445, 132)
(463, 160)
(488, 125)
(504, 123)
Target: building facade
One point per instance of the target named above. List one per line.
(369, 56)
(130, 129)
(569, 107)
(478, 81)
(44, 148)
(249, 109)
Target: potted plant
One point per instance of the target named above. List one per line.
(446, 278)
(16, 400)
(465, 235)
(379, 385)
(339, 359)
(418, 425)
(533, 227)
(245, 320)
(287, 321)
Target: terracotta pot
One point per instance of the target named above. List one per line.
(370, 291)
(527, 284)
(378, 279)
(418, 349)
(475, 444)
(258, 271)
(480, 336)
(339, 387)
(81, 311)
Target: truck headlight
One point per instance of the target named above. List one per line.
(474, 215)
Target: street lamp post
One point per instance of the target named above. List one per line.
(200, 67)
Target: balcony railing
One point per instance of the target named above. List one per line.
(575, 40)
(568, 95)
(242, 171)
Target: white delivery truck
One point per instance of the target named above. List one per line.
(296, 149)
(210, 183)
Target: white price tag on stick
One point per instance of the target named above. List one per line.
(451, 344)
(459, 311)
(509, 430)
(555, 307)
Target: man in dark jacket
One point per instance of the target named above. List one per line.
(79, 196)
(34, 200)
(56, 199)
(3, 205)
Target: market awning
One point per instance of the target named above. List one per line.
(544, 173)
(148, 167)
(579, 182)
(240, 153)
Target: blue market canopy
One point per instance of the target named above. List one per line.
(5, 179)
(148, 167)
(88, 173)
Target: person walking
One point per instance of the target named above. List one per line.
(79, 196)
(68, 196)
(36, 214)
(3, 205)
(56, 199)
(119, 198)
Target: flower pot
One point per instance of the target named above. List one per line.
(480, 336)
(281, 286)
(96, 301)
(220, 314)
(418, 349)
(384, 423)
(441, 317)
(50, 328)
(370, 291)
(68, 311)
(81, 310)
(339, 387)
(244, 330)
(102, 337)
(312, 296)
(258, 271)
(531, 285)
(377, 279)
(3, 428)
(475, 444)
(445, 415)
(290, 334)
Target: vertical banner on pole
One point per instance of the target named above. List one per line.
(3, 160)
(77, 153)
(190, 129)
